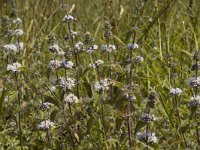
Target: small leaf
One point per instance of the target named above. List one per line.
(76, 137)
(117, 84)
(97, 30)
(117, 68)
(88, 88)
(72, 8)
(112, 140)
(90, 124)
(193, 110)
(184, 128)
(54, 114)
(50, 99)
(2, 100)
(119, 122)
(121, 11)
(85, 71)
(119, 40)
(12, 95)
(23, 69)
(139, 125)
(48, 72)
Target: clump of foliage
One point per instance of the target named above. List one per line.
(96, 74)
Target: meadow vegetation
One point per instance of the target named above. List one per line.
(99, 74)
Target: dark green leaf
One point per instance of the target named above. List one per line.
(139, 125)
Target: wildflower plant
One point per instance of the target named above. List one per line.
(194, 84)
(99, 74)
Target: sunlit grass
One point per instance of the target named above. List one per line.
(109, 89)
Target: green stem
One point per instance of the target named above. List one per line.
(76, 60)
(196, 94)
(19, 113)
(48, 138)
(147, 129)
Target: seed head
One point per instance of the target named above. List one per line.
(68, 18)
(175, 91)
(130, 96)
(19, 45)
(70, 98)
(10, 48)
(67, 64)
(55, 64)
(54, 48)
(17, 21)
(133, 46)
(53, 88)
(15, 67)
(108, 35)
(150, 19)
(194, 82)
(149, 137)
(44, 125)
(196, 55)
(91, 49)
(99, 62)
(18, 32)
(79, 46)
(194, 101)
(138, 59)
(147, 117)
(108, 48)
(93, 66)
(102, 85)
(195, 67)
(67, 83)
(45, 106)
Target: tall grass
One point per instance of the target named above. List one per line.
(97, 74)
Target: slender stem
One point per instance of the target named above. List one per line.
(102, 115)
(57, 75)
(65, 119)
(65, 74)
(76, 60)
(196, 93)
(197, 129)
(63, 108)
(19, 113)
(129, 124)
(129, 101)
(147, 129)
(70, 134)
(177, 109)
(129, 108)
(52, 93)
(77, 75)
(18, 40)
(110, 76)
(48, 138)
(161, 12)
(97, 70)
(196, 75)
(70, 110)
